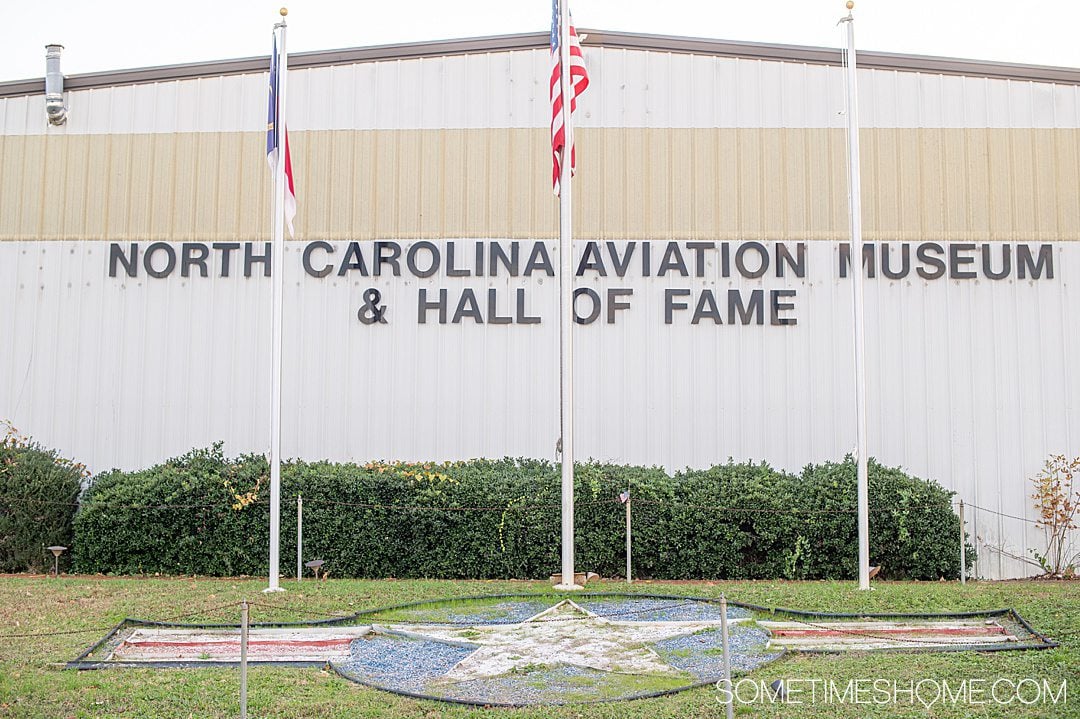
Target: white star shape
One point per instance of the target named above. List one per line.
(564, 634)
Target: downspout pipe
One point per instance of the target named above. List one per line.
(55, 109)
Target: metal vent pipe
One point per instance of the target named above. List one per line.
(54, 86)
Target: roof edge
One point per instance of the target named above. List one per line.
(833, 56)
(529, 41)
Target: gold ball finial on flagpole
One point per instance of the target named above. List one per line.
(850, 5)
(285, 11)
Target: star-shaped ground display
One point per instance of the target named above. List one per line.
(546, 650)
(565, 634)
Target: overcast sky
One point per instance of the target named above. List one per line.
(121, 34)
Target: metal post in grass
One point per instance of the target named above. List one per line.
(567, 88)
(243, 658)
(963, 549)
(56, 550)
(855, 217)
(729, 704)
(625, 499)
(278, 142)
(299, 537)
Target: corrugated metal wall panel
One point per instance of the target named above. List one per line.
(964, 387)
(634, 183)
(630, 88)
(973, 382)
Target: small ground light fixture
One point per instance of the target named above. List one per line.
(315, 565)
(56, 550)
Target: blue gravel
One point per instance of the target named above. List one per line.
(415, 665)
(399, 663)
(554, 685)
(499, 613)
(660, 610)
(504, 612)
(702, 654)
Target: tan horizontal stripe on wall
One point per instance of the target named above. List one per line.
(633, 183)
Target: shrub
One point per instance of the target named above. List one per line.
(913, 529)
(746, 543)
(1057, 499)
(38, 491)
(204, 513)
(196, 514)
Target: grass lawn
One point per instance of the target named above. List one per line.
(32, 685)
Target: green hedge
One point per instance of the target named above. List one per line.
(38, 490)
(371, 521)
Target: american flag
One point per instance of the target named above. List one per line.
(275, 129)
(579, 80)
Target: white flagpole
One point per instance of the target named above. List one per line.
(278, 280)
(855, 208)
(566, 303)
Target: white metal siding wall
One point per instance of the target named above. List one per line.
(629, 88)
(971, 382)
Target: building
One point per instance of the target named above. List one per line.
(710, 213)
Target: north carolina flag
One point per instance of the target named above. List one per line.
(275, 128)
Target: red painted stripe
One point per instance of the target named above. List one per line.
(294, 644)
(869, 633)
